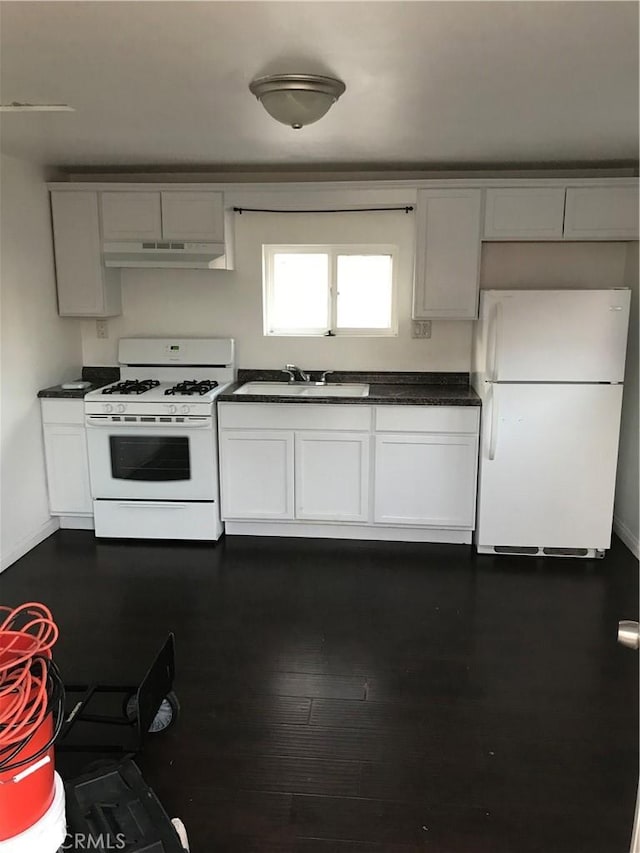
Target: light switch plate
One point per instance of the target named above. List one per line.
(421, 328)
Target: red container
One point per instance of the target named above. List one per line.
(27, 792)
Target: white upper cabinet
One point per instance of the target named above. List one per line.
(85, 287)
(171, 215)
(561, 213)
(131, 216)
(448, 229)
(193, 216)
(601, 213)
(527, 213)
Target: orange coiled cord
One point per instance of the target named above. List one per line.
(27, 635)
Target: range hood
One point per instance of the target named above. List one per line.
(165, 254)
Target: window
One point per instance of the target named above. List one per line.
(329, 290)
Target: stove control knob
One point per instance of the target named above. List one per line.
(172, 409)
(120, 407)
(185, 410)
(108, 407)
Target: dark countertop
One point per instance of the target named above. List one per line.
(398, 389)
(97, 376)
(58, 392)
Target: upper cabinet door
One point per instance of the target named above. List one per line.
(448, 228)
(601, 213)
(193, 216)
(528, 213)
(85, 288)
(131, 216)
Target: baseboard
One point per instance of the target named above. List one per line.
(29, 542)
(347, 531)
(76, 522)
(629, 538)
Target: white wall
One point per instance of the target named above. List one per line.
(194, 302)
(38, 349)
(627, 509)
(548, 265)
(210, 303)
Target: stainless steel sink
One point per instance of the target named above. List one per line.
(304, 389)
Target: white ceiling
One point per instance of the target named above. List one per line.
(428, 83)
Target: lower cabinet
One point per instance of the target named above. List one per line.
(67, 464)
(293, 474)
(369, 468)
(425, 479)
(256, 474)
(332, 476)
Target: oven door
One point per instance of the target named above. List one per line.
(153, 462)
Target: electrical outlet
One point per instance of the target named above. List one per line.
(421, 329)
(102, 329)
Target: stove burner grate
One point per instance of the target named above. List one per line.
(131, 386)
(192, 386)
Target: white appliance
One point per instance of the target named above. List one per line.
(152, 439)
(164, 254)
(549, 367)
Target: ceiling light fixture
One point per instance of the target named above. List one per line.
(297, 99)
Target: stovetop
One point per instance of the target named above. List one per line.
(143, 396)
(153, 389)
(165, 377)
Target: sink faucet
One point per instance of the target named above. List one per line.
(291, 370)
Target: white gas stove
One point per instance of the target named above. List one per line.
(153, 457)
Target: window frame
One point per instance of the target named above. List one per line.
(332, 250)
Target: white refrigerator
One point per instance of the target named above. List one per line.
(549, 367)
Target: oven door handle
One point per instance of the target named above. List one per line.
(150, 505)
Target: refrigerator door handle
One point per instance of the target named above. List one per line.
(496, 351)
(493, 428)
(496, 329)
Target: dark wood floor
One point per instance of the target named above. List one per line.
(365, 697)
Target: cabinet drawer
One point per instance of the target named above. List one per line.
(62, 411)
(452, 419)
(293, 416)
(154, 520)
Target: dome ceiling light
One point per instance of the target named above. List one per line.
(297, 99)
